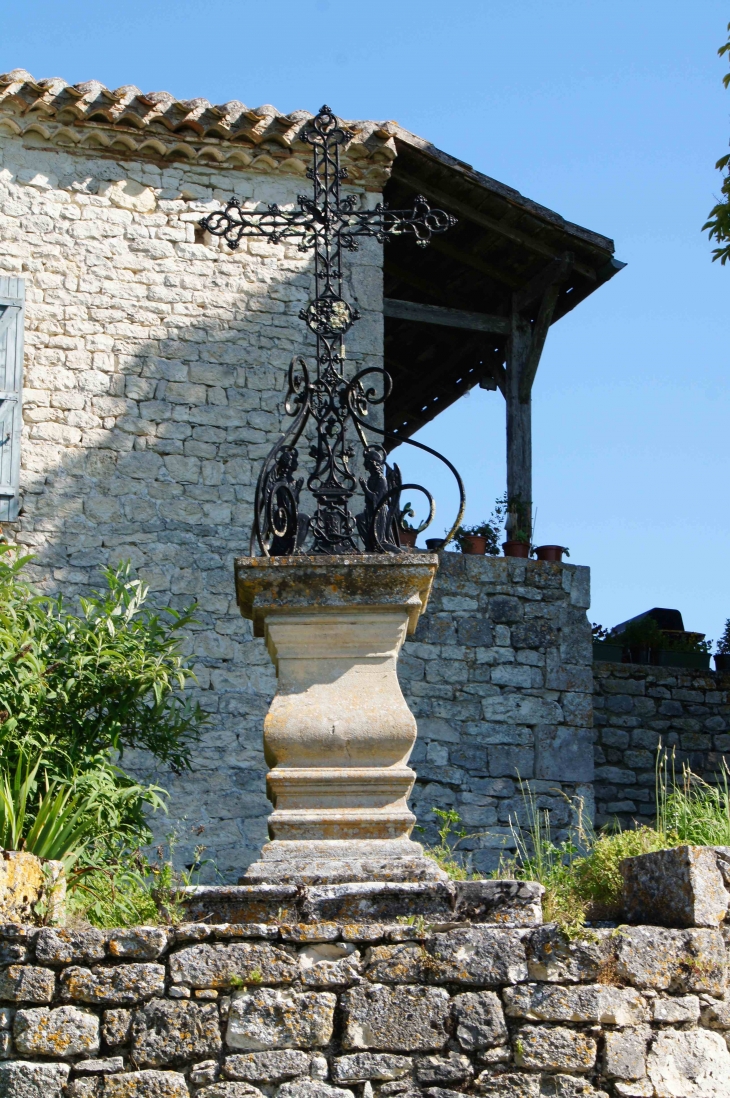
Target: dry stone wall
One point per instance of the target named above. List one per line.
(498, 675)
(154, 374)
(363, 1011)
(636, 707)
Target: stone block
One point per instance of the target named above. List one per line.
(62, 1032)
(491, 1084)
(120, 984)
(689, 1064)
(451, 1070)
(58, 946)
(21, 1079)
(563, 753)
(624, 1052)
(716, 1014)
(27, 984)
(312, 1088)
(267, 1067)
(266, 1018)
(671, 960)
(230, 1090)
(479, 955)
(170, 1034)
(680, 887)
(397, 1019)
(222, 966)
(138, 943)
(111, 1065)
(553, 1048)
(25, 881)
(681, 1008)
(361, 1066)
(479, 1020)
(568, 1086)
(116, 1027)
(146, 1084)
(595, 1003)
(554, 958)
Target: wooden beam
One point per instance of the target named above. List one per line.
(448, 318)
(519, 424)
(537, 341)
(466, 259)
(557, 271)
(453, 205)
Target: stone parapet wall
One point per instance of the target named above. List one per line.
(636, 706)
(498, 675)
(363, 1011)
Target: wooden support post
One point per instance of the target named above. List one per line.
(519, 428)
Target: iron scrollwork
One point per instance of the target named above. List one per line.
(326, 224)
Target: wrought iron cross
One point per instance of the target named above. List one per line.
(325, 224)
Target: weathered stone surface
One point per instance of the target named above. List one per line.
(395, 1019)
(146, 1084)
(116, 1027)
(361, 1066)
(138, 943)
(376, 896)
(624, 1053)
(592, 1003)
(64, 1031)
(479, 1020)
(205, 1071)
(21, 1079)
(311, 1088)
(267, 1067)
(329, 964)
(568, 1086)
(673, 960)
(446, 1071)
(118, 984)
(553, 958)
(507, 1085)
(509, 903)
(108, 1066)
(27, 984)
(26, 881)
(230, 1090)
(716, 1015)
(680, 887)
(170, 1034)
(681, 1008)
(477, 955)
(265, 1018)
(689, 1064)
(222, 966)
(57, 946)
(403, 963)
(553, 1048)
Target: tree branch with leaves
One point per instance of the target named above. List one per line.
(718, 224)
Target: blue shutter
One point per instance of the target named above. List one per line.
(12, 316)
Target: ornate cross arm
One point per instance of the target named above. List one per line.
(421, 222)
(233, 223)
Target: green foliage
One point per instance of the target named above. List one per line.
(718, 223)
(639, 636)
(691, 810)
(91, 683)
(723, 645)
(450, 835)
(488, 530)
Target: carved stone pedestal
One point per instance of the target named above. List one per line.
(338, 734)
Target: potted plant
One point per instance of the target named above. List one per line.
(685, 649)
(406, 531)
(641, 641)
(551, 552)
(479, 539)
(516, 517)
(603, 648)
(722, 656)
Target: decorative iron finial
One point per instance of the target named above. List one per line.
(325, 224)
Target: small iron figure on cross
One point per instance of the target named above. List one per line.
(326, 224)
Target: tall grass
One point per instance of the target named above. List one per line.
(691, 810)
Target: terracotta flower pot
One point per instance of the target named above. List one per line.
(473, 543)
(408, 538)
(550, 552)
(516, 549)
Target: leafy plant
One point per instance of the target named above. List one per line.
(450, 835)
(723, 645)
(640, 638)
(718, 223)
(599, 633)
(488, 530)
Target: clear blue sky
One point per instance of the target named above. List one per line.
(611, 112)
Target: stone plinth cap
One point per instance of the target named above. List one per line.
(266, 585)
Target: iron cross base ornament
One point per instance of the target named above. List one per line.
(325, 224)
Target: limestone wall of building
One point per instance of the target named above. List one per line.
(498, 675)
(339, 1011)
(155, 368)
(636, 707)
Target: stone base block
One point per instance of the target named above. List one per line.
(504, 903)
(686, 886)
(342, 861)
